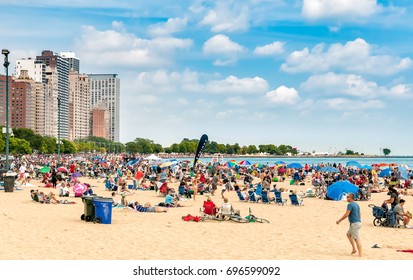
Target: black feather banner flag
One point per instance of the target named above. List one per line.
(201, 145)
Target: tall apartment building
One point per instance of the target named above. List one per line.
(57, 67)
(74, 63)
(79, 110)
(3, 100)
(34, 72)
(100, 120)
(106, 87)
(23, 102)
(51, 103)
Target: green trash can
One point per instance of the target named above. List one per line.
(9, 183)
(89, 208)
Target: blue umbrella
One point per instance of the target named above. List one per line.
(368, 167)
(385, 172)
(295, 165)
(353, 163)
(132, 162)
(403, 173)
(329, 169)
(280, 162)
(336, 190)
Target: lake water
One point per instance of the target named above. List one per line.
(363, 160)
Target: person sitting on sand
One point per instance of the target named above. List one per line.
(227, 209)
(63, 190)
(403, 215)
(148, 208)
(209, 207)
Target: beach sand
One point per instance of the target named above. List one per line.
(34, 231)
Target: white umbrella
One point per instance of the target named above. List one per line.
(152, 157)
(166, 164)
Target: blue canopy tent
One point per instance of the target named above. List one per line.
(336, 190)
(295, 165)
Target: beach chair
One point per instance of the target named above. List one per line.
(295, 201)
(251, 194)
(258, 190)
(265, 199)
(279, 200)
(240, 196)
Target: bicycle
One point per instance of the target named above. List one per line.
(252, 218)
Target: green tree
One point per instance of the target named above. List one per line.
(19, 146)
(386, 151)
(68, 147)
(252, 149)
(350, 153)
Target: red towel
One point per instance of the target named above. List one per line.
(405, 251)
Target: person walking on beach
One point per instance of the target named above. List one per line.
(354, 217)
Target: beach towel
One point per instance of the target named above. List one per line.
(405, 251)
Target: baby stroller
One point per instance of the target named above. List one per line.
(383, 216)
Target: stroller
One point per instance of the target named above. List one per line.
(383, 216)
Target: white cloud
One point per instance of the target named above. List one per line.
(354, 85)
(164, 82)
(348, 9)
(355, 56)
(227, 16)
(233, 84)
(169, 27)
(111, 47)
(235, 101)
(345, 104)
(221, 46)
(148, 99)
(283, 96)
(274, 48)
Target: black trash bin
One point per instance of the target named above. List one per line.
(89, 208)
(9, 183)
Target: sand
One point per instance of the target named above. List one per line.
(34, 231)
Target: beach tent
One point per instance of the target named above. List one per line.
(153, 157)
(336, 190)
(295, 165)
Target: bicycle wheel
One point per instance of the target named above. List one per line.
(260, 220)
(239, 219)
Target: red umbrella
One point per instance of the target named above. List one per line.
(63, 169)
(382, 164)
(393, 164)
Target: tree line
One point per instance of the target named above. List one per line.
(25, 141)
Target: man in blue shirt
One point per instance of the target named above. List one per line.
(353, 214)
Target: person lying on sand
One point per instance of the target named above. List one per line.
(147, 207)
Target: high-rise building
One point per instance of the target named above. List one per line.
(79, 111)
(74, 64)
(3, 100)
(51, 103)
(35, 69)
(60, 69)
(23, 102)
(100, 120)
(106, 87)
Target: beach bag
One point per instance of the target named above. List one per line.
(292, 182)
(275, 179)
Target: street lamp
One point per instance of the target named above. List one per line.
(6, 65)
(58, 131)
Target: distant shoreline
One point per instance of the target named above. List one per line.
(283, 156)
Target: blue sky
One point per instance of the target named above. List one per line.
(321, 75)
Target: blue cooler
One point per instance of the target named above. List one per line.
(103, 210)
(130, 187)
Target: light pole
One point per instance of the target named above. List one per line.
(6, 65)
(58, 131)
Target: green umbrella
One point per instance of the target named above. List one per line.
(45, 169)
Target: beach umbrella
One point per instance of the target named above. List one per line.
(230, 164)
(295, 165)
(329, 169)
(385, 172)
(279, 162)
(153, 157)
(382, 164)
(353, 163)
(403, 173)
(258, 165)
(131, 162)
(79, 188)
(393, 164)
(45, 169)
(336, 190)
(244, 162)
(76, 175)
(368, 167)
(63, 169)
